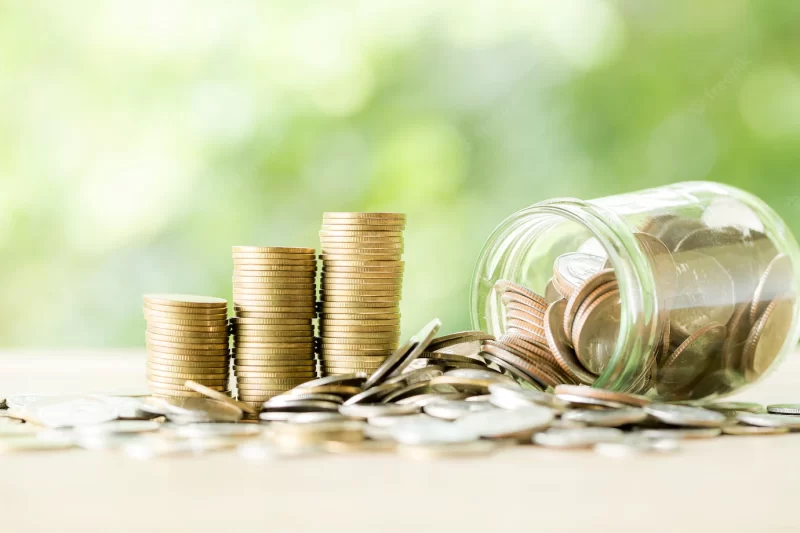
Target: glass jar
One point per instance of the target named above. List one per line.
(681, 292)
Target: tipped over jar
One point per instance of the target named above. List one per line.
(683, 292)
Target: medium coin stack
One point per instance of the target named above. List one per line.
(362, 277)
(274, 292)
(187, 339)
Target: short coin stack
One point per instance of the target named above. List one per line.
(362, 277)
(187, 338)
(274, 292)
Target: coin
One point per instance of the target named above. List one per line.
(498, 423)
(202, 313)
(273, 314)
(684, 415)
(606, 417)
(186, 318)
(374, 394)
(784, 409)
(404, 355)
(271, 323)
(622, 398)
(735, 429)
(582, 293)
(559, 344)
(767, 337)
(355, 379)
(339, 388)
(273, 249)
(692, 357)
(705, 294)
(571, 270)
(595, 332)
(185, 300)
(453, 409)
(775, 283)
(577, 437)
(216, 395)
(181, 351)
(681, 433)
(769, 420)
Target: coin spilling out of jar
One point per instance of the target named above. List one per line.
(722, 296)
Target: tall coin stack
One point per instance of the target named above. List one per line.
(187, 338)
(274, 293)
(362, 278)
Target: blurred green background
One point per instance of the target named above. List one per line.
(139, 140)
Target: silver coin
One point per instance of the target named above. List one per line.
(71, 411)
(481, 398)
(577, 438)
(606, 417)
(733, 407)
(453, 409)
(404, 355)
(411, 376)
(312, 417)
(471, 373)
(684, 415)
(740, 429)
(387, 421)
(681, 433)
(769, 420)
(636, 444)
(431, 431)
(424, 399)
(282, 398)
(575, 400)
(23, 400)
(355, 379)
(374, 394)
(575, 268)
(784, 409)
(705, 294)
(367, 410)
(514, 397)
(225, 429)
(300, 406)
(120, 427)
(499, 423)
(192, 409)
(415, 389)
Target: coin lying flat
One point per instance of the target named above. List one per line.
(784, 409)
(684, 415)
(738, 429)
(500, 423)
(607, 417)
(769, 420)
(577, 437)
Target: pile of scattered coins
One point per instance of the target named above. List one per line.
(361, 287)
(274, 294)
(187, 338)
(417, 411)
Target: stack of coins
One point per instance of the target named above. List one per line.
(362, 277)
(187, 338)
(274, 292)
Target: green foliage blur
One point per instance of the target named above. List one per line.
(139, 140)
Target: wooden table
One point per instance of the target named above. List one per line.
(725, 484)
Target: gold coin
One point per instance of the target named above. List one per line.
(272, 276)
(185, 300)
(301, 284)
(379, 256)
(247, 329)
(368, 215)
(222, 363)
(339, 233)
(254, 265)
(356, 247)
(357, 317)
(328, 359)
(250, 322)
(200, 336)
(169, 366)
(341, 296)
(359, 337)
(275, 383)
(279, 366)
(337, 370)
(272, 255)
(327, 327)
(353, 352)
(250, 297)
(258, 398)
(178, 357)
(307, 291)
(201, 320)
(201, 348)
(364, 267)
(272, 250)
(186, 322)
(221, 382)
(196, 376)
(366, 305)
(202, 313)
(368, 241)
(273, 337)
(276, 268)
(219, 396)
(172, 389)
(181, 349)
(330, 225)
(270, 377)
(266, 353)
(185, 342)
(243, 345)
(163, 326)
(360, 323)
(160, 393)
(248, 315)
(282, 307)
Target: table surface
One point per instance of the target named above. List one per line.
(729, 483)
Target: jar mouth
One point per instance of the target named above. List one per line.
(639, 308)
